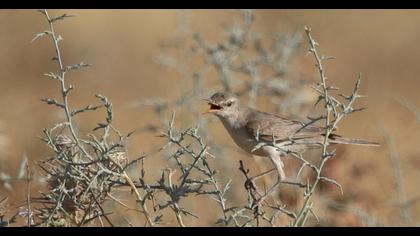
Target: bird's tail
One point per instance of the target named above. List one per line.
(353, 141)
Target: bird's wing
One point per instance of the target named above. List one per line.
(265, 126)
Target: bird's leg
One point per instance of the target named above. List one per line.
(281, 178)
(278, 163)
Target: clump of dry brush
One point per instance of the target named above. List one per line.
(85, 170)
(82, 170)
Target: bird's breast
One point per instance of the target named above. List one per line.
(242, 138)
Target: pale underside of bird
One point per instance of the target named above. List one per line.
(249, 128)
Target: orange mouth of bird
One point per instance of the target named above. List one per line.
(214, 107)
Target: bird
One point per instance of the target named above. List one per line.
(248, 127)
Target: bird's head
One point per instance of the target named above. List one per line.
(223, 105)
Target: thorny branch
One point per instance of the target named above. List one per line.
(78, 186)
(331, 118)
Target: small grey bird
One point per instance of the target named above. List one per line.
(248, 127)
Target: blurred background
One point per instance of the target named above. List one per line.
(150, 63)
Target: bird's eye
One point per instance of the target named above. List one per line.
(229, 103)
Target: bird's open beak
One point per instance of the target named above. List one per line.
(213, 107)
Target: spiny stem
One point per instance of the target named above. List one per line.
(64, 89)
